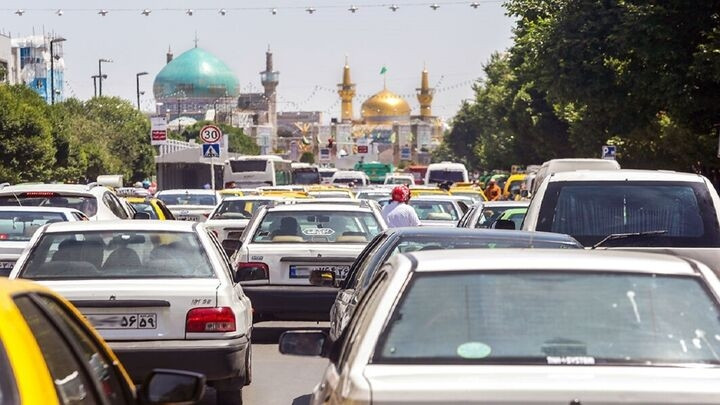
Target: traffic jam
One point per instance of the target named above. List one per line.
(574, 281)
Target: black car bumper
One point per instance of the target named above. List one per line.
(217, 359)
(291, 303)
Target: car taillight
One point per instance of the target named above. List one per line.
(206, 215)
(248, 271)
(220, 319)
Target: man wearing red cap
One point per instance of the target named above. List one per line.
(398, 213)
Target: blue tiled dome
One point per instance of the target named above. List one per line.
(196, 73)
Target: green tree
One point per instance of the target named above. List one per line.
(26, 144)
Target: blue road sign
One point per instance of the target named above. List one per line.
(211, 150)
(405, 153)
(608, 152)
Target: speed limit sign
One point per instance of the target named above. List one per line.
(210, 134)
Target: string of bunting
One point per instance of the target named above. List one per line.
(353, 9)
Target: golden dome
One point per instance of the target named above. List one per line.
(383, 106)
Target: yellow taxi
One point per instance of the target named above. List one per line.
(468, 190)
(513, 185)
(285, 194)
(231, 192)
(151, 206)
(329, 191)
(418, 191)
(50, 355)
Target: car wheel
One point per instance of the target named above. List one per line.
(229, 397)
(248, 365)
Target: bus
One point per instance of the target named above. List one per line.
(446, 171)
(256, 171)
(376, 171)
(304, 173)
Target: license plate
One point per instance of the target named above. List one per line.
(185, 218)
(7, 265)
(302, 271)
(123, 321)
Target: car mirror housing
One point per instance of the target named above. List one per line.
(303, 343)
(141, 215)
(504, 224)
(231, 246)
(164, 386)
(322, 278)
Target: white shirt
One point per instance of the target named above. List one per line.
(398, 215)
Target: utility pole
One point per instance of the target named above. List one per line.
(137, 77)
(52, 68)
(100, 75)
(95, 77)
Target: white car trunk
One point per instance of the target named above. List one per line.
(141, 309)
(227, 228)
(291, 263)
(412, 384)
(197, 213)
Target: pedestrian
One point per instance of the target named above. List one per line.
(398, 213)
(493, 191)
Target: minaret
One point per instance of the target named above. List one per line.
(169, 55)
(270, 80)
(425, 96)
(346, 90)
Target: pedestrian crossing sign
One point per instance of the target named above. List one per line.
(211, 150)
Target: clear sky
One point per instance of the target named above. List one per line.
(453, 42)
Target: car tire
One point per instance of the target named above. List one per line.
(229, 397)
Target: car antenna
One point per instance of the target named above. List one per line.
(616, 236)
(17, 199)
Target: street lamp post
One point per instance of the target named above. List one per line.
(52, 68)
(100, 75)
(137, 88)
(95, 77)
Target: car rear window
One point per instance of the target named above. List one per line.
(86, 204)
(188, 199)
(434, 210)
(317, 227)
(552, 317)
(590, 211)
(409, 244)
(21, 225)
(117, 254)
(146, 208)
(238, 209)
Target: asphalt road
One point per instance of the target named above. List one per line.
(278, 379)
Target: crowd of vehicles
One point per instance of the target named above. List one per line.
(582, 272)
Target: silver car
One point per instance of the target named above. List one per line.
(547, 327)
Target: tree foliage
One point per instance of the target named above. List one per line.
(582, 73)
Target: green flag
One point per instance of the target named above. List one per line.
(383, 70)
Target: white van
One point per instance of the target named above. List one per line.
(355, 177)
(569, 165)
(446, 171)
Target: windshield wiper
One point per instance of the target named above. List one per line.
(617, 236)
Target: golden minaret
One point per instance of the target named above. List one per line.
(346, 90)
(425, 95)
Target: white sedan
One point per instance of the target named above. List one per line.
(285, 244)
(229, 219)
(18, 224)
(547, 327)
(161, 293)
(190, 204)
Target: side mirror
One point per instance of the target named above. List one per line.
(303, 343)
(141, 215)
(164, 386)
(322, 278)
(524, 193)
(504, 224)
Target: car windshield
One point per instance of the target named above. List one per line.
(188, 199)
(146, 208)
(238, 209)
(399, 180)
(552, 317)
(434, 210)
(490, 214)
(117, 254)
(347, 180)
(21, 225)
(329, 194)
(439, 176)
(365, 195)
(87, 204)
(306, 177)
(317, 227)
(590, 211)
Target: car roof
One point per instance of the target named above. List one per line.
(17, 286)
(522, 203)
(253, 198)
(552, 259)
(122, 225)
(76, 188)
(38, 209)
(624, 175)
(187, 191)
(441, 232)
(438, 197)
(316, 201)
(319, 207)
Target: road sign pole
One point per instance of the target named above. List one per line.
(212, 173)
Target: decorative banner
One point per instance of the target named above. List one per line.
(323, 134)
(404, 135)
(423, 136)
(263, 137)
(158, 130)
